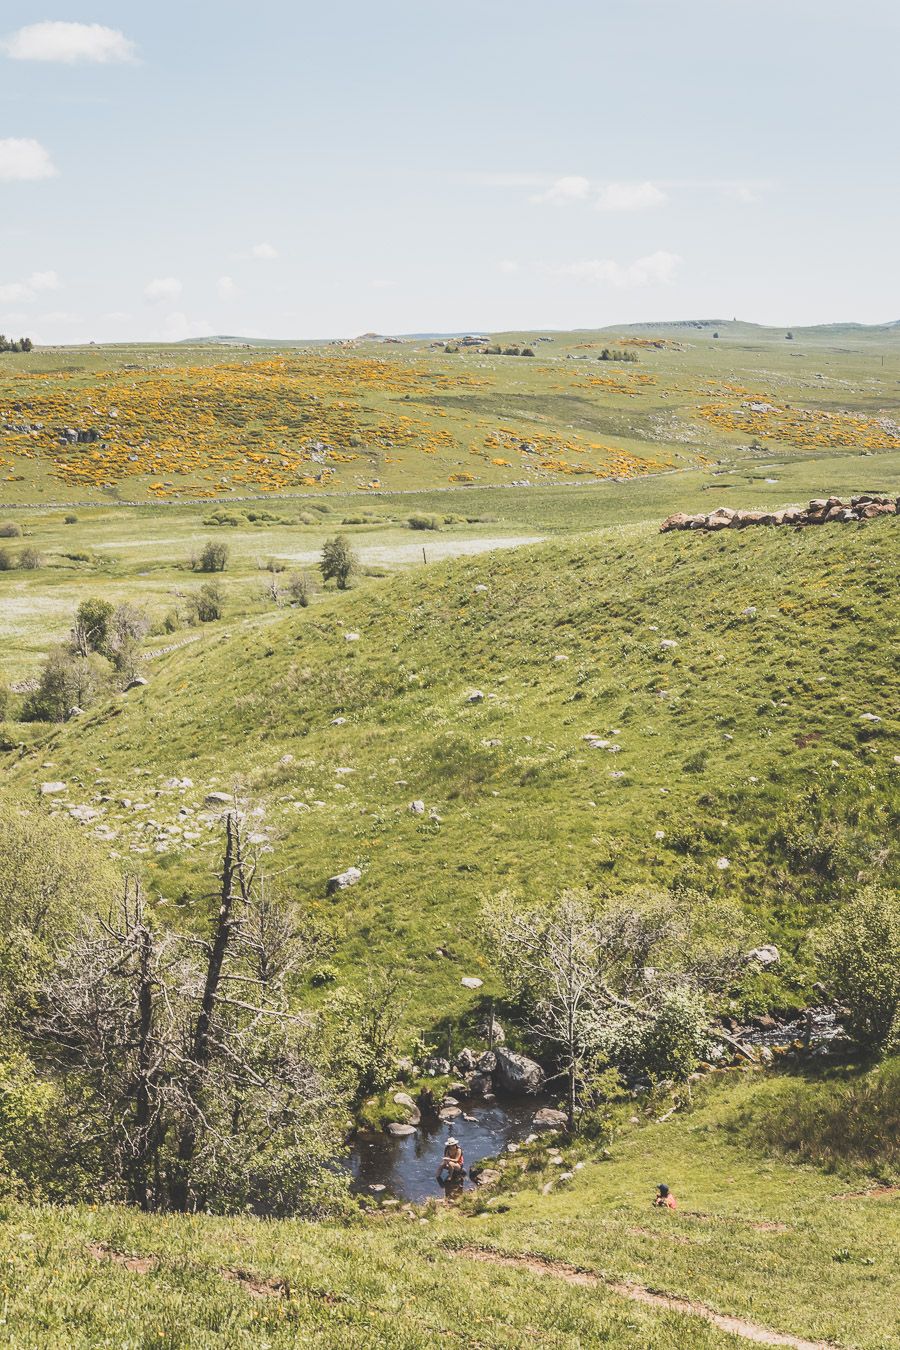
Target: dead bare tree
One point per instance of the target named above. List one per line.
(106, 1015)
(210, 1087)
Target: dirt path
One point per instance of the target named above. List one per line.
(638, 1293)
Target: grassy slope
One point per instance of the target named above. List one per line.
(756, 753)
(752, 1237)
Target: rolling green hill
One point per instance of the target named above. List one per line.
(739, 690)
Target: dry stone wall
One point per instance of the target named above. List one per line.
(821, 511)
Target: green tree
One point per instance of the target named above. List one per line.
(338, 561)
(91, 628)
(68, 680)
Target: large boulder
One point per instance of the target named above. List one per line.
(517, 1073)
(399, 1130)
(485, 1176)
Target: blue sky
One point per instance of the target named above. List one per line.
(288, 169)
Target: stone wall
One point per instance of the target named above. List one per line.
(821, 511)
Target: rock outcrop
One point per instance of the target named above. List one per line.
(821, 511)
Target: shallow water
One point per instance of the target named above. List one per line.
(406, 1167)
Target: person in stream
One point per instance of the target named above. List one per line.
(452, 1172)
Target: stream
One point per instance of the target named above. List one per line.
(406, 1167)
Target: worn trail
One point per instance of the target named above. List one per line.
(638, 1293)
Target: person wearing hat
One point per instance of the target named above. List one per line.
(664, 1198)
(452, 1170)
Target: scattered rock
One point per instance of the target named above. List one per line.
(471, 982)
(341, 880)
(549, 1119)
(475, 696)
(485, 1176)
(50, 789)
(413, 1113)
(136, 683)
(399, 1129)
(218, 799)
(416, 808)
(766, 956)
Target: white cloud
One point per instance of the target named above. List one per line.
(69, 42)
(12, 291)
(44, 281)
(508, 265)
(749, 192)
(163, 288)
(226, 289)
(657, 268)
(24, 161)
(60, 316)
(572, 188)
(630, 197)
(177, 327)
(266, 251)
(381, 284)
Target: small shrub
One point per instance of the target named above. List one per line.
(213, 557)
(10, 530)
(301, 588)
(6, 560)
(423, 523)
(208, 603)
(30, 560)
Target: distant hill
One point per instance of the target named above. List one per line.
(662, 326)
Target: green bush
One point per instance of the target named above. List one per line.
(859, 955)
(213, 557)
(10, 530)
(29, 559)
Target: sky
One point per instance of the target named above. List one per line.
(294, 170)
